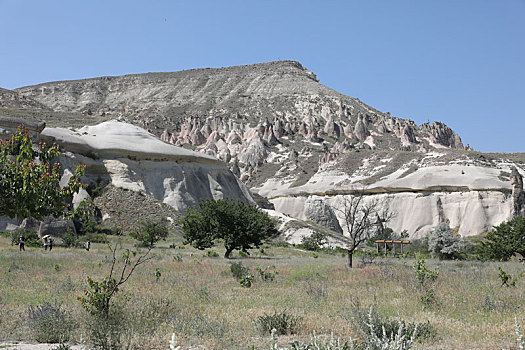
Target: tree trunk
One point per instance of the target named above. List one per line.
(350, 253)
(228, 252)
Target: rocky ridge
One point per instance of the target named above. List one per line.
(302, 144)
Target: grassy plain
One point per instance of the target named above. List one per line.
(198, 299)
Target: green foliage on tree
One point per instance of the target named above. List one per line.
(238, 225)
(505, 240)
(149, 233)
(30, 180)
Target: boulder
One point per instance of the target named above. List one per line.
(316, 210)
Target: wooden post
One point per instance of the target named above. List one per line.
(385, 248)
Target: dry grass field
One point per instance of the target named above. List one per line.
(196, 297)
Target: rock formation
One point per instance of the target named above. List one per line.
(518, 196)
(128, 157)
(287, 137)
(319, 212)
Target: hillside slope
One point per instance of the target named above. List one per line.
(296, 141)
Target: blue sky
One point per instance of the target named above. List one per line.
(461, 62)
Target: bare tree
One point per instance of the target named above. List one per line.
(361, 220)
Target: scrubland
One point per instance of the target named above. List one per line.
(193, 294)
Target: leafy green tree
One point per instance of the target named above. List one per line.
(30, 180)
(505, 240)
(238, 225)
(150, 233)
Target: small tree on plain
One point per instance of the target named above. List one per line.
(149, 233)
(361, 220)
(239, 225)
(443, 244)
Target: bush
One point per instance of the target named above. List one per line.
(314, 242)
(31, 238)
(267, 275)
(84, 227)
(238, 270)
(107, 332)
(386, 234)
(505, 240)
(149, 233)
(212, 254)
(246, 281)
(70, 239)
(50, 323)
(443, 244)
(372, 320)
(282, 322)
(425, 279)
(96, 238)
(317, 343)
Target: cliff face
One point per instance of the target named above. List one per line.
(130, 158)
(295, 141)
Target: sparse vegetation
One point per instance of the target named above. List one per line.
(50, 322)
(283, 323)
(314, 242)
(199, 301)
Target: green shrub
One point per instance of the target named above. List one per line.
(31, 238)
(317, 343)
(424, 276)
(266, 275)
(282, 322)
(507, 279)
(425, 279)
(246, 281)
(70, 239)
(50, 323)
(506, 239)
(238, 270)
(149, 233)
(314, 242)
(96, 237)
(212, 254)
